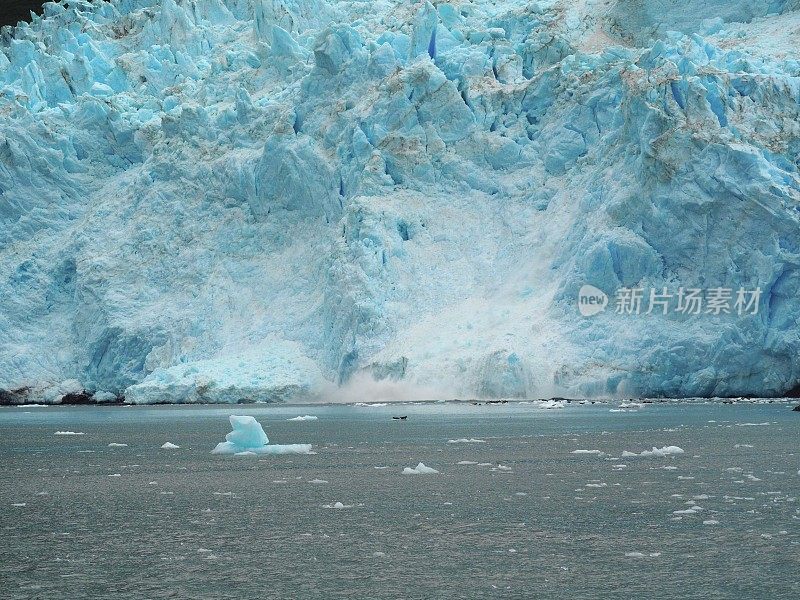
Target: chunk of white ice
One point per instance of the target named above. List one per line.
(169, 446)
(420, 469)
(658, 452)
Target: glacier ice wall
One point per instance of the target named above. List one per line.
(255, 200)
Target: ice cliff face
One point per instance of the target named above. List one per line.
(231, 200)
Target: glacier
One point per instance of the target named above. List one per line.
(264, 200)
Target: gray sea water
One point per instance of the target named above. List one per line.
(532, 519)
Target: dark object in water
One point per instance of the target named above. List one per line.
(796, 408)
(403, 418)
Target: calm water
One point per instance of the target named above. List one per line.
(547, 524)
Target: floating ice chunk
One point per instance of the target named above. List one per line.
(303, 418)
(19, 504)
(689, 511)
(551, 404)
(659, 452)
(596, 452)
(466, 441)
(115, 475)
(710, 522)
(337, 505)
(169, 446)
(467, 462)
(245, 453)
(249, 436)
(373, 404)
(69, 433)
(420, 469)
(116, 445)
(317, 481)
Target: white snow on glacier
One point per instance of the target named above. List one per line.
(261, 200)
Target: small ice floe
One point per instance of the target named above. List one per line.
(249, 436)
(658, 452)
(751, 424)
(710, 522)
(502, 468)
(551, 404)
(466, 441)
(743, 446)
(317, 481)
(115, 475)
(116, 445)
(169, 446)
(420, 469)
(373, 404)
(337, 505)
(303, 418)
(642, 554)
(634, 405)
(19, 504)
(595, 452)
(381, 468)
(596, 485)
(69, 433)
(693, 510)
(467, 462)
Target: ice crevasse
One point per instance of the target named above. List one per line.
(256, 200)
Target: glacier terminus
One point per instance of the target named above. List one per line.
(270, 200)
